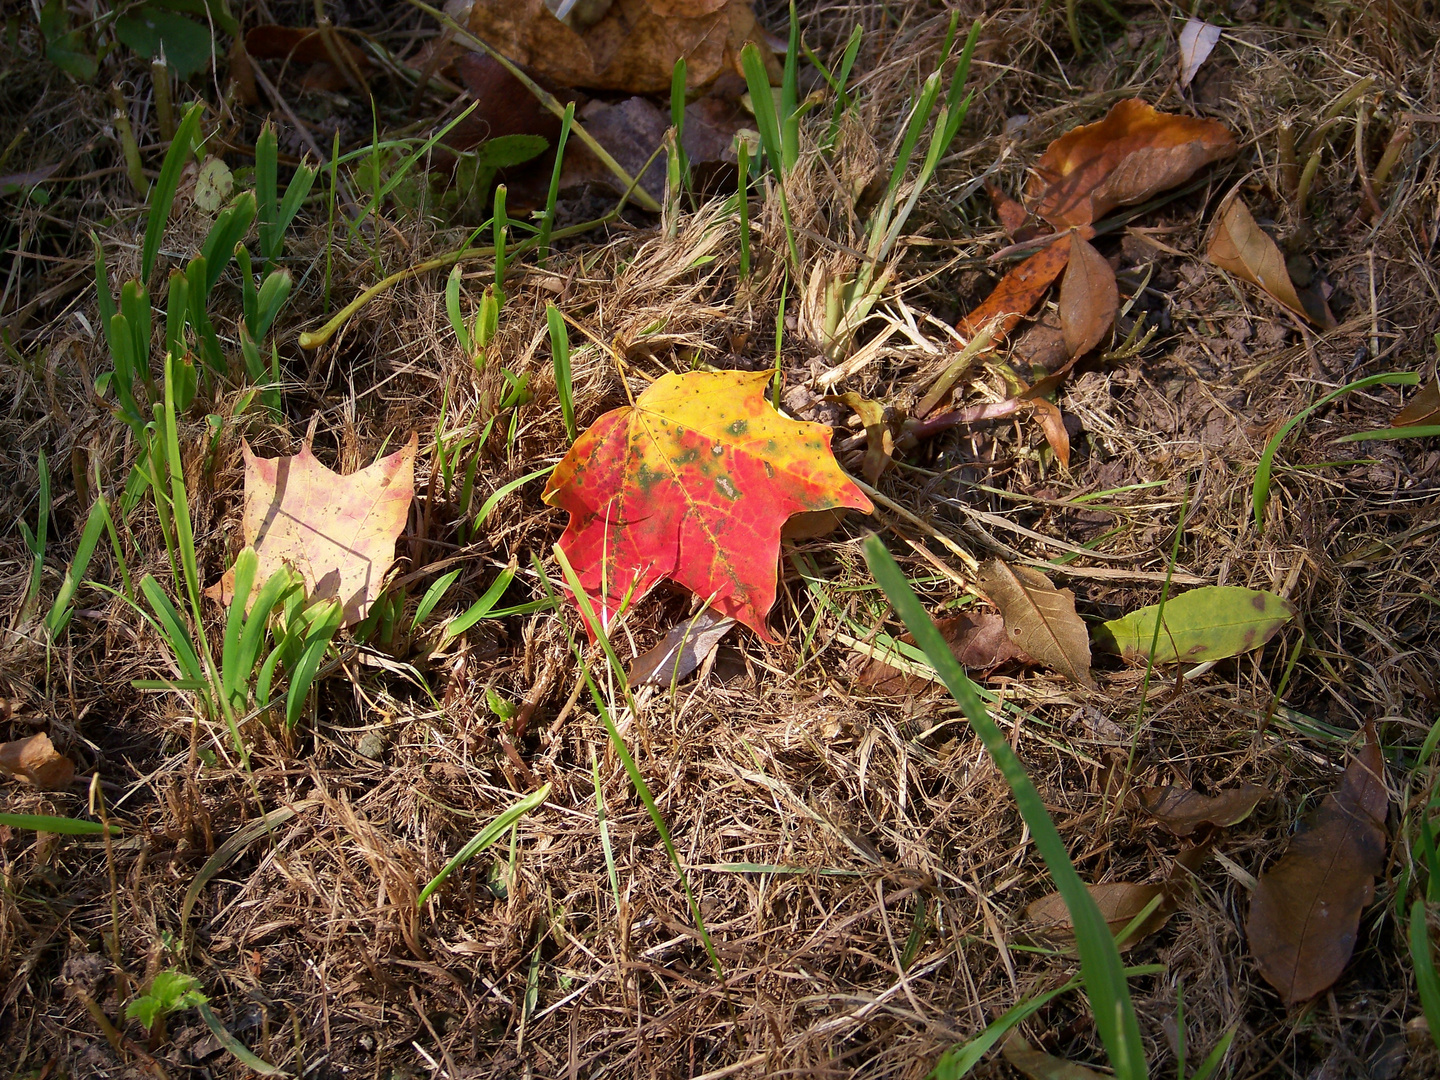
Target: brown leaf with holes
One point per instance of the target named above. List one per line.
(1089, 298)
(629, 46)
(1126, 158)
(1183, 810)
(35, 759)
(1423, 408)
(977, 641)
(1039, 618)
(1305, 910)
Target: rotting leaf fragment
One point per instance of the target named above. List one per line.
(977, 641)
(1184, 810)
(1305, 910)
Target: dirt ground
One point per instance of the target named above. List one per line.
(857, 859)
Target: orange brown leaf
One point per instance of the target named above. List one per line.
(1131, 155)
(1423, 408)
(1089, 298)
(1305, 910)
(1240, 246)
(693, 483)
(35, 759)
(337, 532)
(1018, 291)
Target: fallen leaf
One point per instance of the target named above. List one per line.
(1131, 155)
(503, 105)
(337, 532)
(1183, 810)
(1018, 292)
(1010, 213)
(1209, 623)
(1305, 910)
(977, 641)
(1120, 902)
(1423, 408)
(631, 47)
(1089, 298)
(307, 47)
(693, 483)
(879, 439)
(1039, 618)
(1240, 246)
(35, 759)
(1039, 1065)
(681, 651)
(1052, 423)
(1197, 42)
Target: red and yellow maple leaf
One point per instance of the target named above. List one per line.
(693, 483)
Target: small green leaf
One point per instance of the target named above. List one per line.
(149, 29)
(1209, 623)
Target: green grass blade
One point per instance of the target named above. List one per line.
(433, 596)
(267, 190)
(505, 489)
(60, 610)
(1260, 493)
(46, 823)
(229, 229)
(1100, 966)
(478, 610)
(1419, 431)
(789, 99)
(322, 631)
(452, 308)
(246, 564)
(234, 1046)
(560, 354)
(1426, 981)
(162, 195)
(484, 839)
(547, 223)
(176, 636)
(274, 291)
(1213, 1060)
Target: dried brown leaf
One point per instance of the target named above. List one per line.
(1010, 213)
(1183, 810)
(1305, 910)
(35, 759)
(1040, 618)
(1131, 155)
(1052, 423)
(1089, 298)
(1048, 919)
(337, 532)
(1240, 246)
(1423, 408)
(977, 641)
(1039, 1065)
(681, 651)
(632, 47)
(1018, 292)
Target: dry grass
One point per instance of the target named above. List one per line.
(891, 932)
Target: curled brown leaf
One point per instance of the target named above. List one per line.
(35, 759)
(1183, 810)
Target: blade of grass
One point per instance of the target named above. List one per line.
(1260, 493)
(547, 222)
(560, 355)
(1100, 966)
(1426, 981)
(482, 607)
(162, 195)
(46, 823)
(484, 839)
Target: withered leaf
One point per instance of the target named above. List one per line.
(1052, 423)
(1197, 41)
(35, 759)
(1009, 212)
(977, 641)
(1039, 1065)
(681, 651)
(1048, 919)
(1305, 910)
(1423, 408)
(337, 532)
(1089, 298)
(1040, 618)
(1018, 292)
(632, 47)
(1183, 810)
(1240, 246)
(1132, 154)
